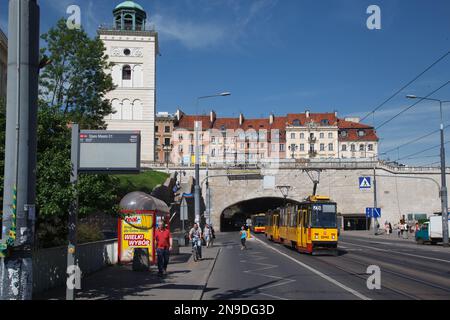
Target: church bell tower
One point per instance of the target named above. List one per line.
(132, 47)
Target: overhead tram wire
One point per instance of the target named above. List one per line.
(415, 140)
(412, 106)
(405, 86)
(420, 152)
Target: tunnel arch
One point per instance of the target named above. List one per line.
(233, 217)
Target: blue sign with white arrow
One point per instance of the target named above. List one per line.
(373, 212)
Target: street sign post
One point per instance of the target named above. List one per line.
(97, 152)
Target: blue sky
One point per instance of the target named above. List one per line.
(291, 55)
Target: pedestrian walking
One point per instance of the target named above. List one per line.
(390, 227)
(163, 247)
(207, 235)
(243, 234)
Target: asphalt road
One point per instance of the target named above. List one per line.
(268, 271)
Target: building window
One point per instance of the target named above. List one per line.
(167, 141)
(322, 135)
(330, 147)
(282, 148)
(344, 133)
(344, 147)
(325, 122)
(292, 135)
(330, 135)
(127, 52)
(302, 147)
(353, 148)
(322, 147)
(167, 129)
(370, 147)
(361, 133)
(302, 136)
(126, 72)
(128, 21)
(157, 141)
(362, 147)
(213, 153)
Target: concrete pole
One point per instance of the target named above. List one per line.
(444, 195)
(375, 200)
(20, 150)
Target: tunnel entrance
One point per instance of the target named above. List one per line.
(235, 216)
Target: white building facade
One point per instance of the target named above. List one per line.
(133, 50)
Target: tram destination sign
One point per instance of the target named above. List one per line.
(109, 151)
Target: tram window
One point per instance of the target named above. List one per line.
(325, 218)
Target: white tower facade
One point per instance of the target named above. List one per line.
(133, 49)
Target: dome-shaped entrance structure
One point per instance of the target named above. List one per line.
(129, 15)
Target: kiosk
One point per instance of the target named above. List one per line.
(141, 215)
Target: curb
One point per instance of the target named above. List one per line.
(199, 295)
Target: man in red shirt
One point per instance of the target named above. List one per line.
(163, 248)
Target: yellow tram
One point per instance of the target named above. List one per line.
(309, 227)
(259, 223)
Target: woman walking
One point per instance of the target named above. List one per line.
(243, 234)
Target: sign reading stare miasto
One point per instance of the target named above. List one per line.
(110, 151)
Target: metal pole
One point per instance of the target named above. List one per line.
(444, 195)
(16, 268)
(73, 214)
(375, 202)
(197, 173)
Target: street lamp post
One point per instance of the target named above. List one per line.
(293, 148)
(167, 150)
(444, 194)
(197, 156)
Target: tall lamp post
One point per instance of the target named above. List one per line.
(293, 148)
(197, 156)
(444, 194)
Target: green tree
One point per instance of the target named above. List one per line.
(72, 90)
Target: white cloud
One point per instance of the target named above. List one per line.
(197, 34)
(192, 35)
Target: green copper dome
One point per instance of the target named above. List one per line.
(129, 5)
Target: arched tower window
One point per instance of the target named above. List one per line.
(126, 72)
(128, 22)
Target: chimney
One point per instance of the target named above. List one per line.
(212, 117)
(307, 113)
(241, 119)
(179, 114)
(271, 119)
(336, 114)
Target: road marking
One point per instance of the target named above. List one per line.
(317, 272)
(272, 296)
(399, 252)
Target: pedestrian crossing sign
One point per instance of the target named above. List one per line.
(365, 183)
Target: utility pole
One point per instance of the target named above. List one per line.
(197, 173)
(375, 200)
(444, 191)
(19, 197)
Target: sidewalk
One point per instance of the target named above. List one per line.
(186, 281)
(370, 235)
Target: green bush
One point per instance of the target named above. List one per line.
(89, 233)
